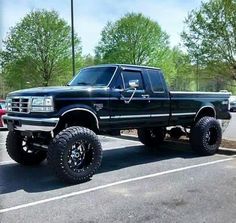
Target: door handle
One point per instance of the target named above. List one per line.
(145, 95)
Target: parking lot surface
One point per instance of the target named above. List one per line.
(171, 184)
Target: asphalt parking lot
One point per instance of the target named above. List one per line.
(172, 184)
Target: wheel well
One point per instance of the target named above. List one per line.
(206, 111)
(78, 118)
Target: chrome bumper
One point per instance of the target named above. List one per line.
(29, 124)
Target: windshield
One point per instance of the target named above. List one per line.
(94, 76)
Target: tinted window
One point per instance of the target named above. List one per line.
(94, 76)
(156, 81)
(133, 75)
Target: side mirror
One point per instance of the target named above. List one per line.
(134, 84)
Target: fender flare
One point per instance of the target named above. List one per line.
(204, 107)
(80, 108)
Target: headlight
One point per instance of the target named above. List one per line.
(42, 104)
(8, 104)
(37, 101)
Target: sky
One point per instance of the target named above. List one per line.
(90, 16)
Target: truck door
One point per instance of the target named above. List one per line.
(129, 107)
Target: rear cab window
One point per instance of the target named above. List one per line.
(155, 81)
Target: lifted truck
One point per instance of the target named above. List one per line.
(61, 123)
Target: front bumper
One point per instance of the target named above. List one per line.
(30, 124)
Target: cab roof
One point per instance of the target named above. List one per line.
(126, 66)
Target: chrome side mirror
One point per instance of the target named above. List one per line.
(134, 84)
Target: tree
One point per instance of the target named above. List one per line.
(133, 39)
(210, 35)
(177, 68)
(88, 60)
(183, 77)
(38, 49)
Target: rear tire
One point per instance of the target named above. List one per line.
(20, 150)
(75, 154)
(152, 137)
(206, 135)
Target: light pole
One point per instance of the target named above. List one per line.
(72, 38)
(197, 74)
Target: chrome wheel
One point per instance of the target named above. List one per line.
(80, 156)
(75, 154)
(26, 145)
(21, 149)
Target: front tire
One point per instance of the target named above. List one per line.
(20, 149)
(75, 154)
(152, 137)
(206, 136)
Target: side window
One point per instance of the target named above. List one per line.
(132, 75)
(155, 79)
(119, 83)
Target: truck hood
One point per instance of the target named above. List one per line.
(64, 91)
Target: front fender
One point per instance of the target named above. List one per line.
(78, 107)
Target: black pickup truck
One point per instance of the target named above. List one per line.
(61, 123)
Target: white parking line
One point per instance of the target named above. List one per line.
(111, 185)
(6, 162)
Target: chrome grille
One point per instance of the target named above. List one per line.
(20, 104)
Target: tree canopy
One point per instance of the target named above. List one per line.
(133, 39)
(210, 36)
(136, 39)
(38, 49)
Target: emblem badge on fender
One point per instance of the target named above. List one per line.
(98, 106)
